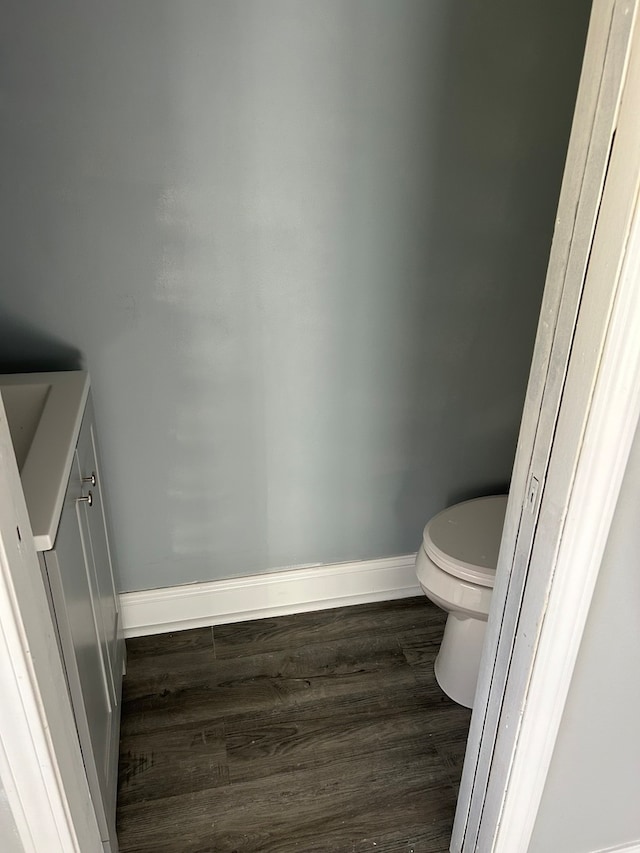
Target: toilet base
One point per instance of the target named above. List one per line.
(458, 661)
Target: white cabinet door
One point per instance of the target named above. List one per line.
(72, 583)
(85, 604)
(94, 530)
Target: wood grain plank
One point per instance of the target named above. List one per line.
(259, 745)
(451, 747)
(170, 643)
(343, 623)
(205, 689)
(179, 760)
(316, 733)
(333, 808)
(421, 644)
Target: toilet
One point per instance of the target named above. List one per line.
(456, 568)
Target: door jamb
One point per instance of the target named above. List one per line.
(599, 409)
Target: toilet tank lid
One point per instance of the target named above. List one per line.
(467, 537)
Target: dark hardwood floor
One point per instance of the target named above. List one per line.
(313, 733)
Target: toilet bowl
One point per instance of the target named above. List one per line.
(456, 567)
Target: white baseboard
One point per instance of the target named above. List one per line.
(634, 847)
(175, 608)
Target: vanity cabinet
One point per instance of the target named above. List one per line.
(79, 573)
(52, 425)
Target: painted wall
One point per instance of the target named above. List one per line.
(591, 800)
(9, 836)
(300, 247)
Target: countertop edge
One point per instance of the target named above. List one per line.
(46, 471)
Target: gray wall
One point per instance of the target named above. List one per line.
(9, 837)
(301, 248)
(591, 800)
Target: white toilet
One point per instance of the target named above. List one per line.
(456, 567)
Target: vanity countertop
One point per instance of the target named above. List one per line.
(44, 411)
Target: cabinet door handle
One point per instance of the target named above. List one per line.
(91, 479)
(87, 499)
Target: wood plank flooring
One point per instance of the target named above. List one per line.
(317, 733)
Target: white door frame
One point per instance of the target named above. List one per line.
(579, 421)
(41, 767)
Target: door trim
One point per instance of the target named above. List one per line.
(604, 449)
(532, 645)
